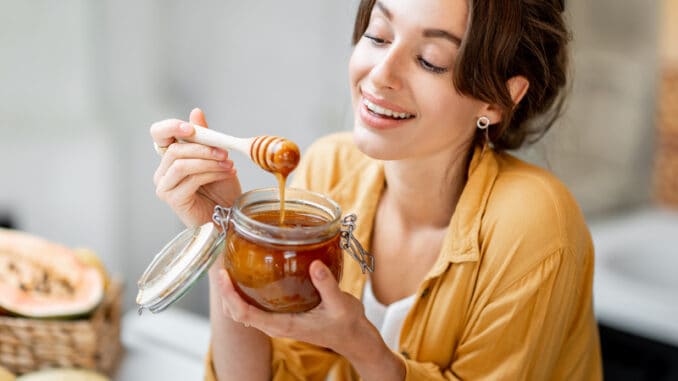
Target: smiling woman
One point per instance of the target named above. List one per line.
(483, 263)
(532, 45)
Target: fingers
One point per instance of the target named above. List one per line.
(183, 168)
(232, 304)
(234, 307)
(192, 168)
(325, 283)
(182, 194)
(198, 117)
(180, 151)
(166, 132)
(311, 326)
(225, 289)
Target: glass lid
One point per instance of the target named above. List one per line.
(178, 266)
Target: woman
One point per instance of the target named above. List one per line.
(487, 258)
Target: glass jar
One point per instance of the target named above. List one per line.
(267, 261)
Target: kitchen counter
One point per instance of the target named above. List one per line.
(635, 285)
(168, 346)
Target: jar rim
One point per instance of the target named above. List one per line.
(295, 199)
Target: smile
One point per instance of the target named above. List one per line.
(385, 112)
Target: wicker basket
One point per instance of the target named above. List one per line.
(94, 343)
(666, 159)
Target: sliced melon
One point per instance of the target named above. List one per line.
(90, 258)
(42, 279)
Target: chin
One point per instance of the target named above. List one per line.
(375, 145)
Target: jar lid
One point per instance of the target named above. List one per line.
(178, 266)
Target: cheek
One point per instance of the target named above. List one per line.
(352, 71)
(452, 107)
(358, 65)
(352, 77)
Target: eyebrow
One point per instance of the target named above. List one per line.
(439, 33)
(431, 33)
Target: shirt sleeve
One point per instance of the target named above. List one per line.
(210, 374)
(298, 361)
(518, 333)
(316, 170)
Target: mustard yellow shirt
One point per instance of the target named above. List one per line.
(510, 295)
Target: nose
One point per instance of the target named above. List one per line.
(388, 71)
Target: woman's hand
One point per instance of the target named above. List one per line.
(192, 178)
(338, 323)
(331, 324)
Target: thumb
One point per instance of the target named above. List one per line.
(324, 282)
(198, 117)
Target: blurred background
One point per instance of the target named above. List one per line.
(82, 81)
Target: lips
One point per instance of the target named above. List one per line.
(385, 112)
(376, 121)
(384, 108)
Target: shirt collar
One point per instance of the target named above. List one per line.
(462, 240)
(359, 193)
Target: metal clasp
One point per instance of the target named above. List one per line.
(221, 216)
(353, 246)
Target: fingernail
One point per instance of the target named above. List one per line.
(185, 127)
(223, 278)
(320, 273)
(226, 164)
(218, 154)
(225, 310)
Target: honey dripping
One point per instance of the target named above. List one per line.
(281, 159)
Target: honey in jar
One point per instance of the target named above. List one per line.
(268, 261)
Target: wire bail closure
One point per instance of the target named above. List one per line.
(221, 216)
(348, 242)
(351, 244)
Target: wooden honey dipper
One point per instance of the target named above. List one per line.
(272, 153)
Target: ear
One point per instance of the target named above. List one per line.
(517, 87)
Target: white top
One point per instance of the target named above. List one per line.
(388, 319)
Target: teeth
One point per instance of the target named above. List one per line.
(384, 111)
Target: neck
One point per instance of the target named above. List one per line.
(423, 192)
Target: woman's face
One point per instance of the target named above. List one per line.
(404, 100)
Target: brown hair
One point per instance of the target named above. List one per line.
(503, 39)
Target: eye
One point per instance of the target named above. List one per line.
(375, 40)
(430, 67)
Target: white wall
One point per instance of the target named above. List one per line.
(81, 82)
(85, 80)
(58, 173)
(603, 146)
